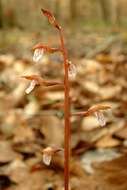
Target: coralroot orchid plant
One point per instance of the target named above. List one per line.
(69, 72)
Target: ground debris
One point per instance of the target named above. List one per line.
(30, 123)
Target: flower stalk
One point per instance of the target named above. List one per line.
(66, 114)
(67, 124)
(69, 72)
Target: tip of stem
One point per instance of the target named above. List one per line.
(43, 10)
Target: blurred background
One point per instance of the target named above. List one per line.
(90, 12)
(79, 18)
(95, 34)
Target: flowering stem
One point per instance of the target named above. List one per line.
(67, 114)
(63, 50)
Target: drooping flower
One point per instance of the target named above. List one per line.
(38, 54)
(37, 80)
(34, 80)
(31, 86)
(101, 118)
(72, 70)
(48, 154)
(96, 110)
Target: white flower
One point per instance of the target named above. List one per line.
(38, 53)
(98, 110)
(100, 117)
(47, 155)
(72, 70)
(31, 86)
(47, 159)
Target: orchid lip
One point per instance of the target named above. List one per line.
(38, 53)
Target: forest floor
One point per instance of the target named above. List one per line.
(29, 123)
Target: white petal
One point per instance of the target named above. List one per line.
(47, 159)
(38, 53)
(31, 86)
(100, 117)
(72, 71)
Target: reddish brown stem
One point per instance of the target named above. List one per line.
(54, 23)
(82, 113)
(92, 110)
(46, 48)
(67, 114)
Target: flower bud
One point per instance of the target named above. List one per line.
(51, 18)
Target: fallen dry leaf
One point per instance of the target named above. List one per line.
(107, 141)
